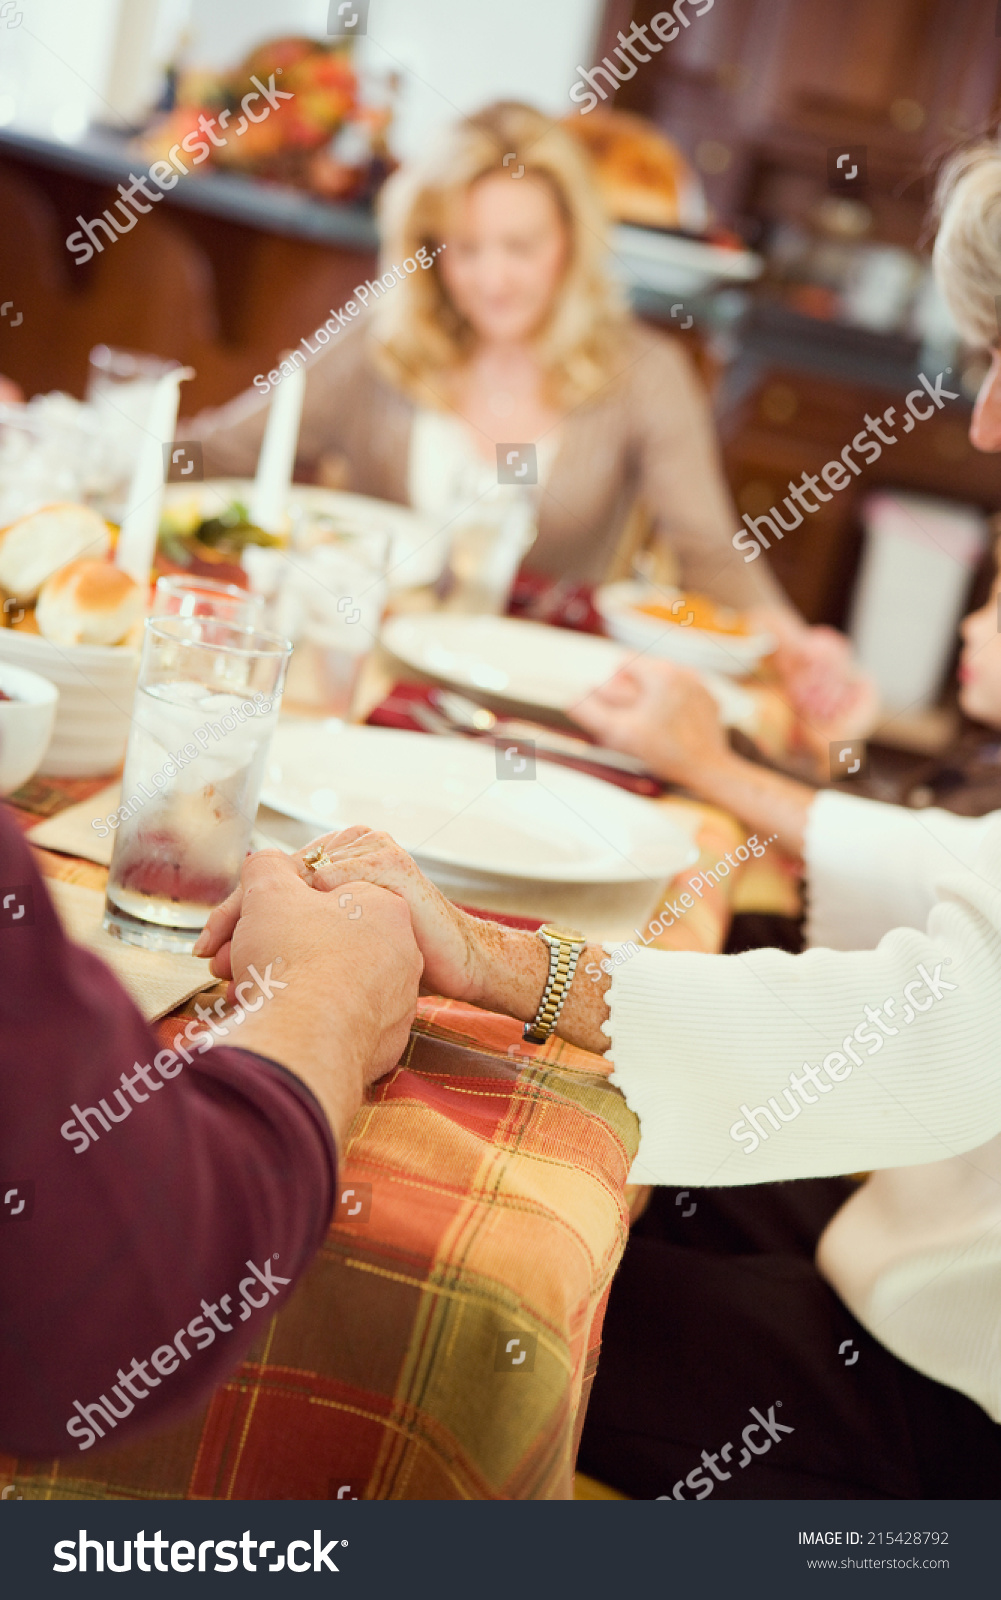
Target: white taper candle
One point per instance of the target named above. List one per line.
(140, 524)
(277, 458)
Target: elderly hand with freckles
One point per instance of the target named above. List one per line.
(466, 958)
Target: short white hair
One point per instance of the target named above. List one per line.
(967, 253)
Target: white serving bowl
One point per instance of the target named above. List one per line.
(732, 654)
(96, 686)
(26, 723)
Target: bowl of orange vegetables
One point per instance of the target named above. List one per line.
(690, 629)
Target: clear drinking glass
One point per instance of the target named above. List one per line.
(330, 604)
(119, 391)
(488, 546)
(205, 708)
(179, 596)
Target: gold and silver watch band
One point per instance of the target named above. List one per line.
(565, 946)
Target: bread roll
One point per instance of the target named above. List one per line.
(89, 602)
(36, 546)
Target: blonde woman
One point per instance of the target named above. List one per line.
(766, 1339)
(495, 320)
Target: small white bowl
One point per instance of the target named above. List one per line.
(732, 654)
(26, 723)
(96, 686)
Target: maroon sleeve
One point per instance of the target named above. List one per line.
(137, 1266)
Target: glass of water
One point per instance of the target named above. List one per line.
(330, 602)
(206, 706)
(179, 596)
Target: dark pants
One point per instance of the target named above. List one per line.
(720, 1337)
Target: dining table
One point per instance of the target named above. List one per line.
(443, 1341)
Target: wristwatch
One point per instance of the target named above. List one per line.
(565, 946)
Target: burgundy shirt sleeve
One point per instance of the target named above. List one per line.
(137, 1269)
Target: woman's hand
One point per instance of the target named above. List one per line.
(451, 942)
(661, 713)
(820, 675)
(466, 958)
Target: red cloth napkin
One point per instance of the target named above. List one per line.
(538, 598)
(396, 712)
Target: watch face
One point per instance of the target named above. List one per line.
(556, 932)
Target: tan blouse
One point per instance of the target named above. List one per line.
(648, 435)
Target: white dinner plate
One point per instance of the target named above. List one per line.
(443, 800)
(530, 663)
(418, 548)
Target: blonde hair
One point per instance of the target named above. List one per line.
(967, 253)
(418, 333)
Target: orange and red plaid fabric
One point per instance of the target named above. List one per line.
(442, 1343)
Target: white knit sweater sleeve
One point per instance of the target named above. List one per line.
(746, 1069)
(872, 867)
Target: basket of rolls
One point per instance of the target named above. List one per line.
(69, 615)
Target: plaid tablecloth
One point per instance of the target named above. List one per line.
(442, 1343)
